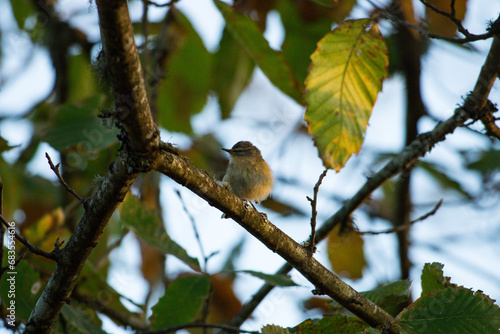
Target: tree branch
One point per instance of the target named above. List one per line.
(488, 120)
(35, 250)
(324, 280)
(55, 169)
(314, 212)
(124, 70)
(124, 318)
(418, 148)
(195, 230)
(9, 267)
(140, 138)
(469, 37)
(450, 15)
(72, 258)
(405, 226)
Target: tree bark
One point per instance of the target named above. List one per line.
(140, 153)
(140, 138)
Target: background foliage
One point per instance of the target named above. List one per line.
(254, 83)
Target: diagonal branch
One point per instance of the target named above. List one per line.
(469, 37)
(473, 104)
(72, 257)
(55, 169)
(140, 140)
(35, 250)
(324, 280)
(451, 15)
(12, 266)
(195, 230)
(125, 319)
(405, 226)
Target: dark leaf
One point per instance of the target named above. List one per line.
(181, 302)
(147, 226)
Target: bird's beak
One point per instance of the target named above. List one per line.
(227, 150)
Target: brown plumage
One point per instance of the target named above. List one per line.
(248, 176)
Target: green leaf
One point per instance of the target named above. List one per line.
(79, 73)
(433, 278)
(181, 302)
(276, 280)
(301, 36)
(232, 71)
(443, 179)
(451, 310)
(4, 145)
(339, 322)
(43, 195)
(346, 74)
(77, 124)
(389, 294)
(147, 226)
(486, 162)
(386, 295)
(270, 62)
(184, 91)
(79, 322)
(274, 329)
(20, 288)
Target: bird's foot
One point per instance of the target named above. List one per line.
(247, 207)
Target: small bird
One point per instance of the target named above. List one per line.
(248, 176)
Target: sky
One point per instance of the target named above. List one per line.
(460, 236)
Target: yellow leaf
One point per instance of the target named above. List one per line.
(345, 77)
(345, 253)
(441, 24)
(46, 230)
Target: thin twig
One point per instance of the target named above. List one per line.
(61, 180)
(35, 250)
(204, 313)
(469, 36)
(110, 248)
(314, 202)
(11, 267)
(195, 229)
(405, 226)
(230, 329)
(122, 317)
(411, 153)
(450, 15)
